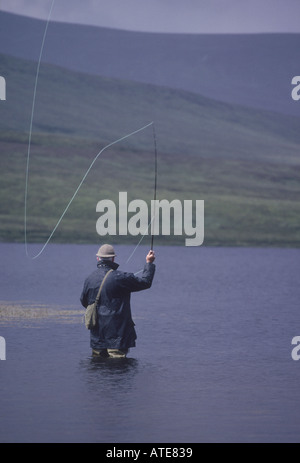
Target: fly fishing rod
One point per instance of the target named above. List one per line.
(155, 186)
(151, 223)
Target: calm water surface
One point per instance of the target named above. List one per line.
(212, 363)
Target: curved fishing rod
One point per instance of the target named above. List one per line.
(155, 186)
(152, 221)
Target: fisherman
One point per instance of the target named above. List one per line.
(115, 332)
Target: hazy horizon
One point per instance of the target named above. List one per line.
(169, 16)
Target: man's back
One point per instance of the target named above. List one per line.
(115, 327)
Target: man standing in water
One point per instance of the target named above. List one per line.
(114, 333)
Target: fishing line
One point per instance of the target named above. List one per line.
(88, 170)
(143, 236)
(31, 123)
(80, 184)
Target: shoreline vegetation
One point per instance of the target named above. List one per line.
(12, 311)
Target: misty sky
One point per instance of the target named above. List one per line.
(183, 16)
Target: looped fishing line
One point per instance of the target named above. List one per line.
(30, 132)
(77, 189)
(88, 170)
(29, 149)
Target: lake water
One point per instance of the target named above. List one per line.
(213, 358)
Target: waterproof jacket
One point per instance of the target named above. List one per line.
(115, 327)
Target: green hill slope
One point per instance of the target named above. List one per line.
(243, 163)
(250, 69)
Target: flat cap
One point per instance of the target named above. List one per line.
(106, 250)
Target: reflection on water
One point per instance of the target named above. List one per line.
(116, 374)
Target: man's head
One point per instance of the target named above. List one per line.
(106, 252)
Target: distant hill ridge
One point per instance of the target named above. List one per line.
(251, 69)
(80, 105)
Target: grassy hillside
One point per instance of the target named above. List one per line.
(250, 69)
(244, 163)
(79, 105)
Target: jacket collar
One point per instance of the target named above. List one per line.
(107, 263)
